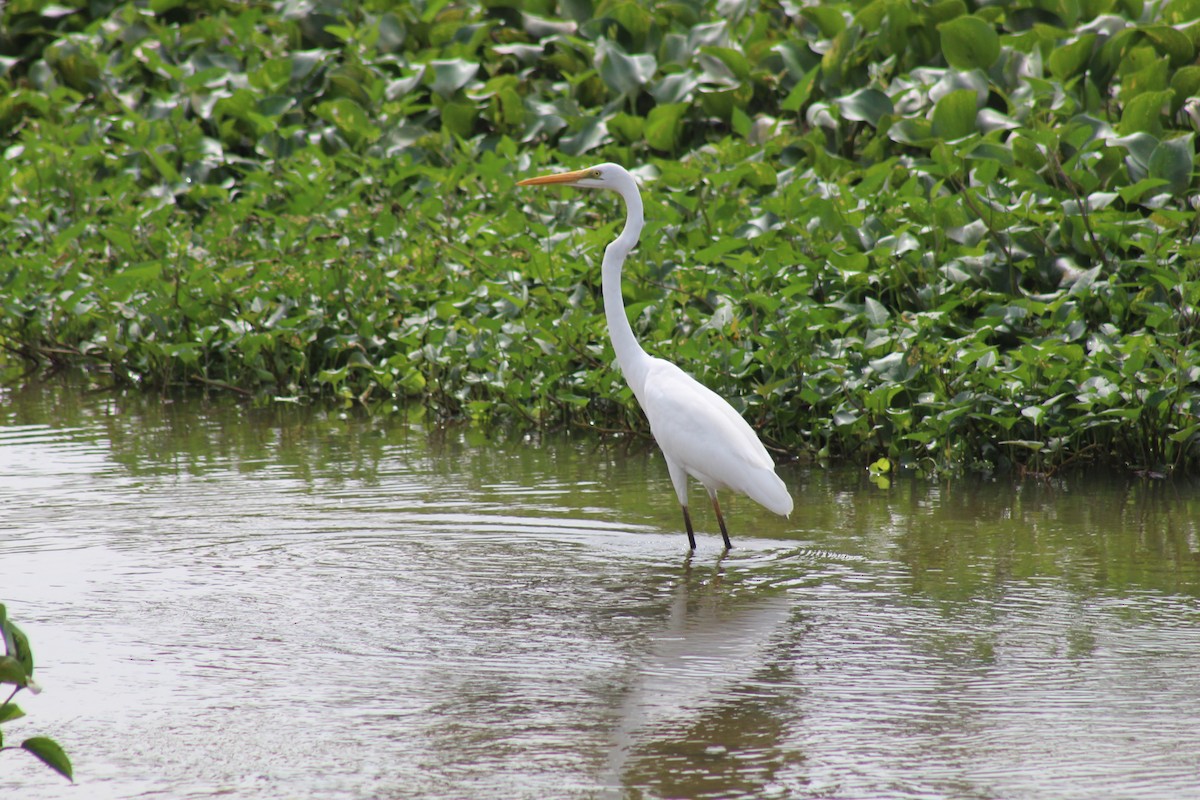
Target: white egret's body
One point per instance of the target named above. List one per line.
(699, 433)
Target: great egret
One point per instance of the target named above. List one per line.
(699, 433)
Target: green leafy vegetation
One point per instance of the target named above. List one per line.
(954, 236)
(16, 670)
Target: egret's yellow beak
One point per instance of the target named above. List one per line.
(561, 177)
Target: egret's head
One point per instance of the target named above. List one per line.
(601, 176)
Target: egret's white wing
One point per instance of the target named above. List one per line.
(702, 433)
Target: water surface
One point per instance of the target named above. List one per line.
(261, 603)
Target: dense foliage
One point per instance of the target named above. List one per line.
(952, 234)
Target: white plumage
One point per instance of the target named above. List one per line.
(699, 433)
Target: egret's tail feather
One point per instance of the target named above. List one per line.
(768, 490)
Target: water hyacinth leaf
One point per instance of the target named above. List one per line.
(876, 313)
(626, 127)
(1171, 161)
(914, 131)
(349, 117)
(1171, 43)
(624, 74)
(458, 117)
(828, 19)
(50, 754)
(664, 126)
(1175, 12)
(733, 60)
(969, 43)
(1068, 60)
(800, 93)
(451, 75)
(865, 105)
(304, 62)
(593, 134)
(1185, 83)
(1144, 113)
(954, 115)
(392, 33)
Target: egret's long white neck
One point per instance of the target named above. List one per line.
(630, 355)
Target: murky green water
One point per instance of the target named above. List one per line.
(229, 602)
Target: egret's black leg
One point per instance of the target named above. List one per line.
(687, 520)
(721, 521)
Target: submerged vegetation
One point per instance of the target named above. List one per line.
(956, 235)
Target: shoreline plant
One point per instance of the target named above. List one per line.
(16, 670)
(958, 236)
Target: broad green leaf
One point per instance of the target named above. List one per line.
(1068, 60)
(876, 313)
(865, 105)
(1171, 161)
(49, 752)
(12, 672)
(954, 115)
(740, 121)
(10, 711)
(828, 19)
(624, 74)
(1170, 43)
(593, 134)
(733, 60)
(1175, 12)
(451, 75)
(626, 127)
(1185, 83)
(349, 117)
(945, 10)
(800, 93)
(675, 88)
(914, 131)
(969, 43)
(1144, 113)
(664, 125)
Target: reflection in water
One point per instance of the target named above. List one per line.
(696, 706)
(265, 602)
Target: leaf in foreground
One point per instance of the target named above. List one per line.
(48, 751)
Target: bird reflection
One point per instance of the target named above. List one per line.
(704, 708)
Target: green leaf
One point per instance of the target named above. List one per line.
(865, 105)
(969, 43)
(626, 127)
(876, 313)
(1069, 59)
(1170, 43)
(12, 672)
(911, 130)
(457, 117)
(1185, 83)
(828, 19)
(50, 754)
(593, 134)
(664, 125)
(349, 118)
(1144, 113)
(9, 712)
(1171, 161)
(623, 73)
(954, 115)
(451, 75)
(800, 93)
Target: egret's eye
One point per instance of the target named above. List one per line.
(595, 173)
